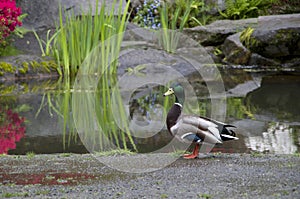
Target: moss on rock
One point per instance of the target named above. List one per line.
(23, 66)
(275, 37)
(6, 68)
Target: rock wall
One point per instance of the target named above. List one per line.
(273, 41)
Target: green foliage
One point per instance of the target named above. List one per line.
(149, 14)
(237, 109)
(7, 90)
(21, 31)
(246, 35)
(30, 155)
(188, 13)
(6, 68)
(24, 67)
(163, 195)
(23, 108)
(76, 37)
(46, 46)
(198, 12)
(218, 51)
(175, 17)
(7, 50)
(168, 35)
(296, 154)
(14, 195)
(88, 44)
(241, 9)
(115, 152)
(136, 70)
(256, 154)
(177, 153)
(79, 35)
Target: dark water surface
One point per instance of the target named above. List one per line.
(264, 106)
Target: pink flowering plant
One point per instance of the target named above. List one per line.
(9, 19)
(12, 129)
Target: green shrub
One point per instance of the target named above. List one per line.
(241, 9)
(198, 11)
(148, 14)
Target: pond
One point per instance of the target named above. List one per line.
(263, 105)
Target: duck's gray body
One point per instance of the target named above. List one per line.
(191, 128)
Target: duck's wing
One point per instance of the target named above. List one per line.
(205, 128)
(196, 129)
(227, 131)
(201, 129)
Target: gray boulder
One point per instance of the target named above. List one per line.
(276, 36)
(236, 53)
(44, 13)
(216, 32)
(234, 50)
(258, 60)
(40, 13)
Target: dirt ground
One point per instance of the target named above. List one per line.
(213, 176)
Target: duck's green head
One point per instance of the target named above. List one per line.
(178, 91)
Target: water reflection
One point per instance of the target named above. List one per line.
(267, 114)
(12, 129)
(277, 97)
(277, 139)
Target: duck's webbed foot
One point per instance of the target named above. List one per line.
(194, 154)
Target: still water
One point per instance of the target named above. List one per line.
(265, 106)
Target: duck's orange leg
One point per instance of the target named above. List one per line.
(194, 154)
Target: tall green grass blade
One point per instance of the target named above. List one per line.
(169, 33)
(63, 43)
(40, 42)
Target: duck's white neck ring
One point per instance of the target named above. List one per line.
(178, 104)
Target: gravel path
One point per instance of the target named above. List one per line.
(215, 176)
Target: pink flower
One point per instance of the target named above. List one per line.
(12, 130)
(9, 14)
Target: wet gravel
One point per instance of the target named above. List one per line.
(214, 176)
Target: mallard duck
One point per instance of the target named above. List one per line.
(195, 129)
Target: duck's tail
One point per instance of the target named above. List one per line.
(228, 133)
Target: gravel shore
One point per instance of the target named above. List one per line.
(214, 176)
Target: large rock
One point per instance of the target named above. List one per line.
(40, 13)
(234, 50)
(216, 32)
(277, 36)
(258, 60)
(44, 13)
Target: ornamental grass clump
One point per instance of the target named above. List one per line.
(78, 36)
(98, 73)
(88, 47)
(171, 28)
